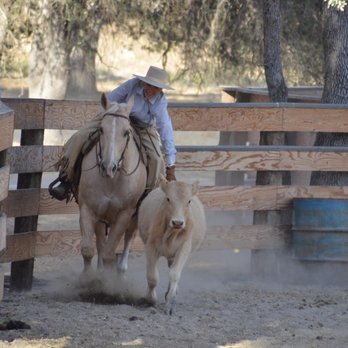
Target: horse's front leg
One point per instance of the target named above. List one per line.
(117, 230)
(87, 225)
(101, 231)
(128, 238)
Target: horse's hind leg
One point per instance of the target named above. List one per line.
(128, 237)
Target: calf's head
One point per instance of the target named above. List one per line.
(178, 202)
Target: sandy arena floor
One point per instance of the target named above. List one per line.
(218, 306)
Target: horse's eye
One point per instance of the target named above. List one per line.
(101, 131)
(189, 202)
(168, 200)
(127, 133)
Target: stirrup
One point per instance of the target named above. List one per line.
(60, 192)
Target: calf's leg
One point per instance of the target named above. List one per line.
(152, 273)
(176, 267)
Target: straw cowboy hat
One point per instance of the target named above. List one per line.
(156, 77)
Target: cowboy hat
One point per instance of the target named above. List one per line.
(156, 77)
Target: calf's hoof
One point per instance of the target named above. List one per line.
(171, 307)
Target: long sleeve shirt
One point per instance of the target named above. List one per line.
(149, 112)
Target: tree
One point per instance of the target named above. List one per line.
(49, 65)
(14, 29)
(64, 46)
(83, 42)
(3, 24)
(218, 40)
(277, 90)
(335, 40)
(226, 35)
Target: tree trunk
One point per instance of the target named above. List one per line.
(64, 47)
(278, 92)
(82, 77)
(265, 263)
(335, 40)
(277, 89)
(49, 54)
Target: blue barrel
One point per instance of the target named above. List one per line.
(320, 229)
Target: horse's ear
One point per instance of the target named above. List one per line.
(130, 104)
(104, 101)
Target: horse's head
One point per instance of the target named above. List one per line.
(115, 131)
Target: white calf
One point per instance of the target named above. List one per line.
(172, 223)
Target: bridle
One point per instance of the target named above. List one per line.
(99, 157)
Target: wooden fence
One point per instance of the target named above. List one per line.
(32, 117)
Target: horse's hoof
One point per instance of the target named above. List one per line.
(151, 300)
(122, 269)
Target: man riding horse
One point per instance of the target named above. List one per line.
(149, 116)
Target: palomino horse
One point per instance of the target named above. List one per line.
(113, 178)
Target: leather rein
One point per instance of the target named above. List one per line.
(119, 163)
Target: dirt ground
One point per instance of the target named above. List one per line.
(219, 305)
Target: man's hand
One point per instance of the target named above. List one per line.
(170, 173)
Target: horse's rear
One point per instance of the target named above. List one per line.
(113, 178)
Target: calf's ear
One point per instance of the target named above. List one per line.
(162, 178)
(162, 181)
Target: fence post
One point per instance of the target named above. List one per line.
(2, 227)
(6, 139)
(22, 271)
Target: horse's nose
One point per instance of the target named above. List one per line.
(114, 169)
(108, 169)
(102, 169)
(111, 170)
